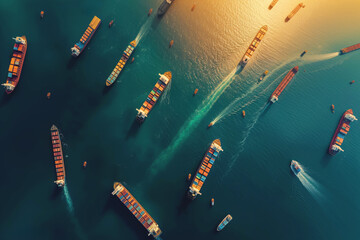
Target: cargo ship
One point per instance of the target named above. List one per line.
(58, 156)
(224, 222)
(254, 44)
(341, 131)
(120, 65)
(272, 4)
(165, 5)
(350, 49)
(294, 11)
(202, 172)
(16, 64)
(153, 96)
(137, 210)
(86, 37)
(275, 95)
(295, 167)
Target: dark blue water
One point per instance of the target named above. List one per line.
(251, 180)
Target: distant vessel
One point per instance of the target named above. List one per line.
(171, 43)
(42, 14)
(210, 124)
(350, 49)
(84, 164)
(293, 12)
(58, 156)
(224, 222)
(120, 65)
(196, 91)
(295, 167)
(254, 44)
(164, 7)
(150, 12)
(137, 210)
(16, 64)
(272, 4)
(111, 23)
(332, 108)
(206, 164)
(189, 177)
(275, 95)
(353, 81)
(243, 114)
(341, 131)
(193, 7)
(48, 95)
(153, 96)
(303, 53)
(86, 37)
(212, 202)
(263, 75)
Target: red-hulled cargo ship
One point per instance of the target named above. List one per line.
(16, 64)
(202, 172)
(275, 95)
(137, 210)
(350, 49)
(153, 96)
(341, 131)
(58, 156)
(86, 37)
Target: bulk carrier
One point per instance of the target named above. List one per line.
(137, 210)
(86, 37)
(341, 131)
(254, 44)
(293, 12)
(120, 65)
(16, 64)
(202, 172)
(153, 96)
(58, 156)
(275, 95)
(165, 5)
(272, 4)
(350, 49)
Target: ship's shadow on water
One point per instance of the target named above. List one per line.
(115, 205)
(184, 204)
(5, 99)
(71, 63)
(56, 192)
(326, 158)
(133, 130)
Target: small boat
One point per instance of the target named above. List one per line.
(263, 75)
(243, 113)
(48, 95)
(332, 108)
(210, 125)
(111, 23)
(212, 202)
(353, 81)
(150, 11)
(224, 222)
(171, 43)
(193, 7)
(132, 60)
(189, 177)
(295, 167)
(84, 164)
(303, 53)
(42, 14)
(196, 91)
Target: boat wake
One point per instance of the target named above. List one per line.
(311, 186)
(68, 200)
(144, 30)
(320, 57)
(191, 123)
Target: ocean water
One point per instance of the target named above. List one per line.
(251, 180)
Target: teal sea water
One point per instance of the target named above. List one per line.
(251, 180)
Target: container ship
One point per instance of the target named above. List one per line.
(350, 49)
(120, 65)
(254, 44)
(58, 156)
(224, 222)
(137, 210)
(275, 95)
(86, 37)
(341, 131)
(165, 5)
(16, 64)
(272, 4)
(202, 172)
(293, 12)
(153, 96)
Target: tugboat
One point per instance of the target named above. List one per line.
(171, 43)
(150, 12)
(332, 108)
(295, 167)
(48, 95)
(224, 222)
(210, 124)
(193, 7)
(189, 177)
(84, 164)
(212, 202)
(195, 92)
(42, 14)
(111, 23)
(263, 75)
(303, 53)
(243, 114)
(352, 82)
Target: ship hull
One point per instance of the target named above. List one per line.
(350, 49)
(293, 12)
(224, 222)
(337, 131)
(163, 8)
(287, 79)
(12, 80)
(58, 156)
